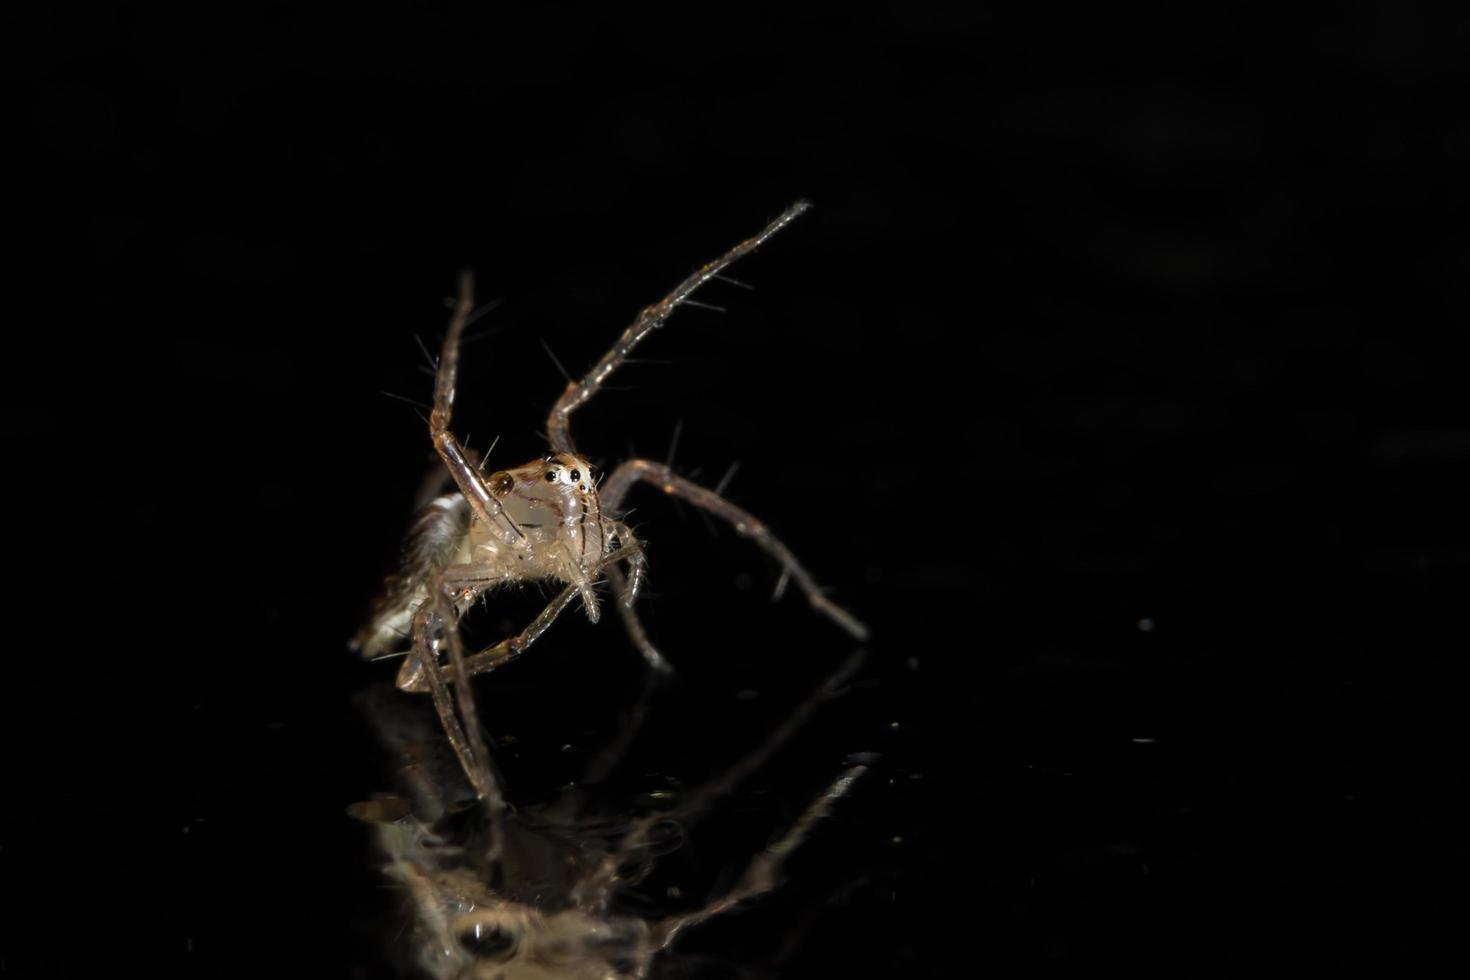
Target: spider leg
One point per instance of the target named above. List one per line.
(617, 485)
(579, 392)
(463, 584)
(457, 712)
(411, 677)
(627, 588)
(762, 874)
(466, 476)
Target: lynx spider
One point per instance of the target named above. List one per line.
(544, 520)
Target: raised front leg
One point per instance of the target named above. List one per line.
(469, 479)
(615, 487)
(578, 392)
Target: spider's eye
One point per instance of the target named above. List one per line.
(488, 941)
(576, 475)
(551, 476)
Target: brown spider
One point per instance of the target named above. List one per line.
(545, 520)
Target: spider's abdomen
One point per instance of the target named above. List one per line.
(437, 537)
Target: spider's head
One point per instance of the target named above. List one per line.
(552, 500)
(555, 477)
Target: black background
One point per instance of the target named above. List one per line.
(1116, 379)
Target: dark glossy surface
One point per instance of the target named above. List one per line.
(1116, 379)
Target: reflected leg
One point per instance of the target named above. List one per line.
(762, 874)
(595, 890)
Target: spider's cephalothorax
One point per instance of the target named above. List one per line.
(544, 521)
(553, 504)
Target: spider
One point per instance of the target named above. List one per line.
(547, 520)
(553, 889)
